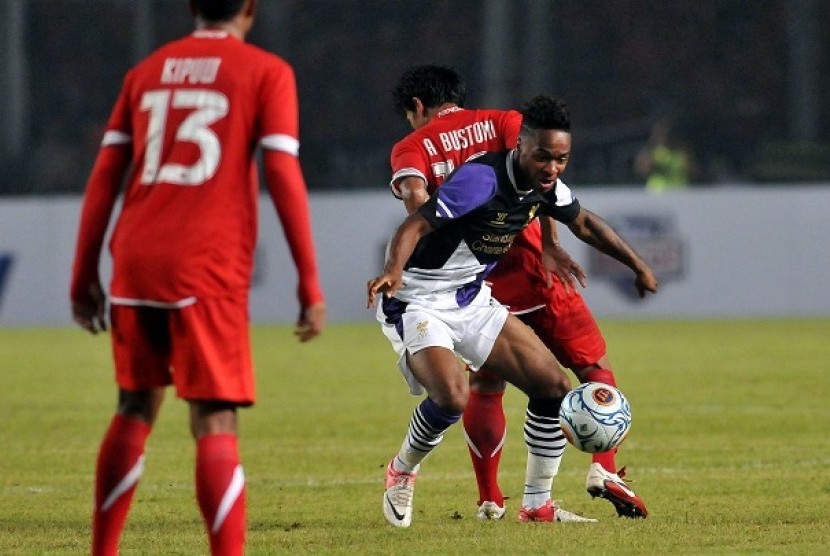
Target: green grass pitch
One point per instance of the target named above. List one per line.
(730, 449)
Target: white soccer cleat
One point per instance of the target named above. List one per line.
(561, 515)
(490, 510)
(551, 512)
(397, 500)
(610, 486)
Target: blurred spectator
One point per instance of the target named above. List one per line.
(665, 162)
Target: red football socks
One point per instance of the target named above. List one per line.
(119, 467)
(220, 490)
(485, 427)
(605, 459)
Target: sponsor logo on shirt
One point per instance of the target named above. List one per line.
(493, 244)
(501, 219)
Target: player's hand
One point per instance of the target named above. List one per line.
(311, 322)
(90, 314)
(559, 263)
(385, 283)
(645, 281)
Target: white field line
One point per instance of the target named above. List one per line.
(426, 473)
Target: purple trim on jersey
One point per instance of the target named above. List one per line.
(466, 293)
(393, 309)
(487, 270)
(468, 188)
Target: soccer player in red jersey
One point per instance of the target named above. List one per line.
(538, 284)
(182, 137)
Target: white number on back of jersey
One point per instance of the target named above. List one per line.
(208, 107)
(442, 169)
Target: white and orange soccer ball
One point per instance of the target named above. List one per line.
(595, 417)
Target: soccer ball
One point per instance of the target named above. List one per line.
(595, 417)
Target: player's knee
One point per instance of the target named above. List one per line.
(561, 383)
(551, 381)
(141, 405)
(212, 418)
(452, 399)
(486, 382)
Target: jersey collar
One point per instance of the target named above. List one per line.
(511, 158)
(210, 34)
(449, 110)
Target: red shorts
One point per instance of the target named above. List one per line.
(562, 321)
(203, 349)
(567, 327)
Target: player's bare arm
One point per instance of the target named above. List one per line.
(557, 260)
(596, 232)
(401, 247)
(413, 192)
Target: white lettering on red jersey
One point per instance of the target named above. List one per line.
(450, 139)
(193, 113)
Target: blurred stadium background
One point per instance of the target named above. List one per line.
(742, 80)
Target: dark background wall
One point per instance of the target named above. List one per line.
(742, 81)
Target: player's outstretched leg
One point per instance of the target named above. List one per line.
(485, 429)
(603, 479)
(546, 445)
(426, 430)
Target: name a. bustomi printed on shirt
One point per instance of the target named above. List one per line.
(477, 133)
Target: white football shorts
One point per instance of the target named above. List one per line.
(469, 331)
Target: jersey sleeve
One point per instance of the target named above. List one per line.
(100, 194)
(470, 187)
(278, 129)
(561, 205)
(511, 122)
(119, 129)
(407, 160)
(279, 124)
(288, 192)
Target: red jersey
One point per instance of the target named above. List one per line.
(191, 116)
(451, 138)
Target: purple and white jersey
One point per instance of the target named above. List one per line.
(476, 214)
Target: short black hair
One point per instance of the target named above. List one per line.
(544, 112)
(434, 85)
(217, 10)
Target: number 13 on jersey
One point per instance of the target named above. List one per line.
(207, 107)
